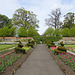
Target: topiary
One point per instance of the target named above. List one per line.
(56, 51)
(20, 45)
(18, 50)
(51, 44)
(61, 48)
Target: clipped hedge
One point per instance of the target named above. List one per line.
(62, 48)
(46, 39)
(19, 50)
(56, 51)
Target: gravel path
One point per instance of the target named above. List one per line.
(40, 62)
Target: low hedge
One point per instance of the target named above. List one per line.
(18, 50)
(56, 51)
(45, 39)
(61, 48)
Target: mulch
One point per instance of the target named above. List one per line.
(66, 69)
(11, 69)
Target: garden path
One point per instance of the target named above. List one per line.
(40, 62)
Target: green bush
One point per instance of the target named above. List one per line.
(45, 39)
(56, 51)
(61, 48)
(20, 45)
(18, 50)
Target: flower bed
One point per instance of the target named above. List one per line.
(6, 51)
(71, 49)
(7, 60)
(67, 58)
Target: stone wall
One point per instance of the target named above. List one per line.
(12, 39)
(68, 38)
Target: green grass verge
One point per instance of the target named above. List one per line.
(2, 47)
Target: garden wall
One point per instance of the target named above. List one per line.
(12, 39)
(68, 40)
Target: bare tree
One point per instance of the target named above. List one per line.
(54, 19)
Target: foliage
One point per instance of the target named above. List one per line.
(8, 60)
(22, 32)
(6, 32)
(25, 19)
(12, 31)
(70, 49)
(69, 20)
(61, 48)
(73, 46)
(46, 39)
(68, 59)
(66, 32)
(19, 50)
(72, 31)
(26, 49)
(32, 32)
(57, 32)
(49, 32)
(4, 21)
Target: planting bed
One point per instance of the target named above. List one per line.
(11, 61)
(65, 61)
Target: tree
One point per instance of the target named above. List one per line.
(32, 32)
(4, 21)
(66, 32)
(22, 32)
(49, 32)
(54, 20)
(12, 31)
(72, 30)
(25, 19)
(6, 32)
(69, 20)
(57, 32)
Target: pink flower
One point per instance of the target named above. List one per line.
(74, 60)
(0, 63)
(53, 48)
(70, 61)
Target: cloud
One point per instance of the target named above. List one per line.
(40, 7)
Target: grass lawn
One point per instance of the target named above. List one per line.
(6, 46)
(73, 46)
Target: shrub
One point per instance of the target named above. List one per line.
(61, 48)
(56, 51)
(18, 50)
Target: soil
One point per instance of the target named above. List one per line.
(67, 70)
(11, 69)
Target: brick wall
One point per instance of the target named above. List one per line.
(16, 38)
(68, 38)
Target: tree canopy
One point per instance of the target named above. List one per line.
(25, 19)
(69, 20)
(4, 21)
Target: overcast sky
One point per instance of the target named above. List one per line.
(40, 7)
